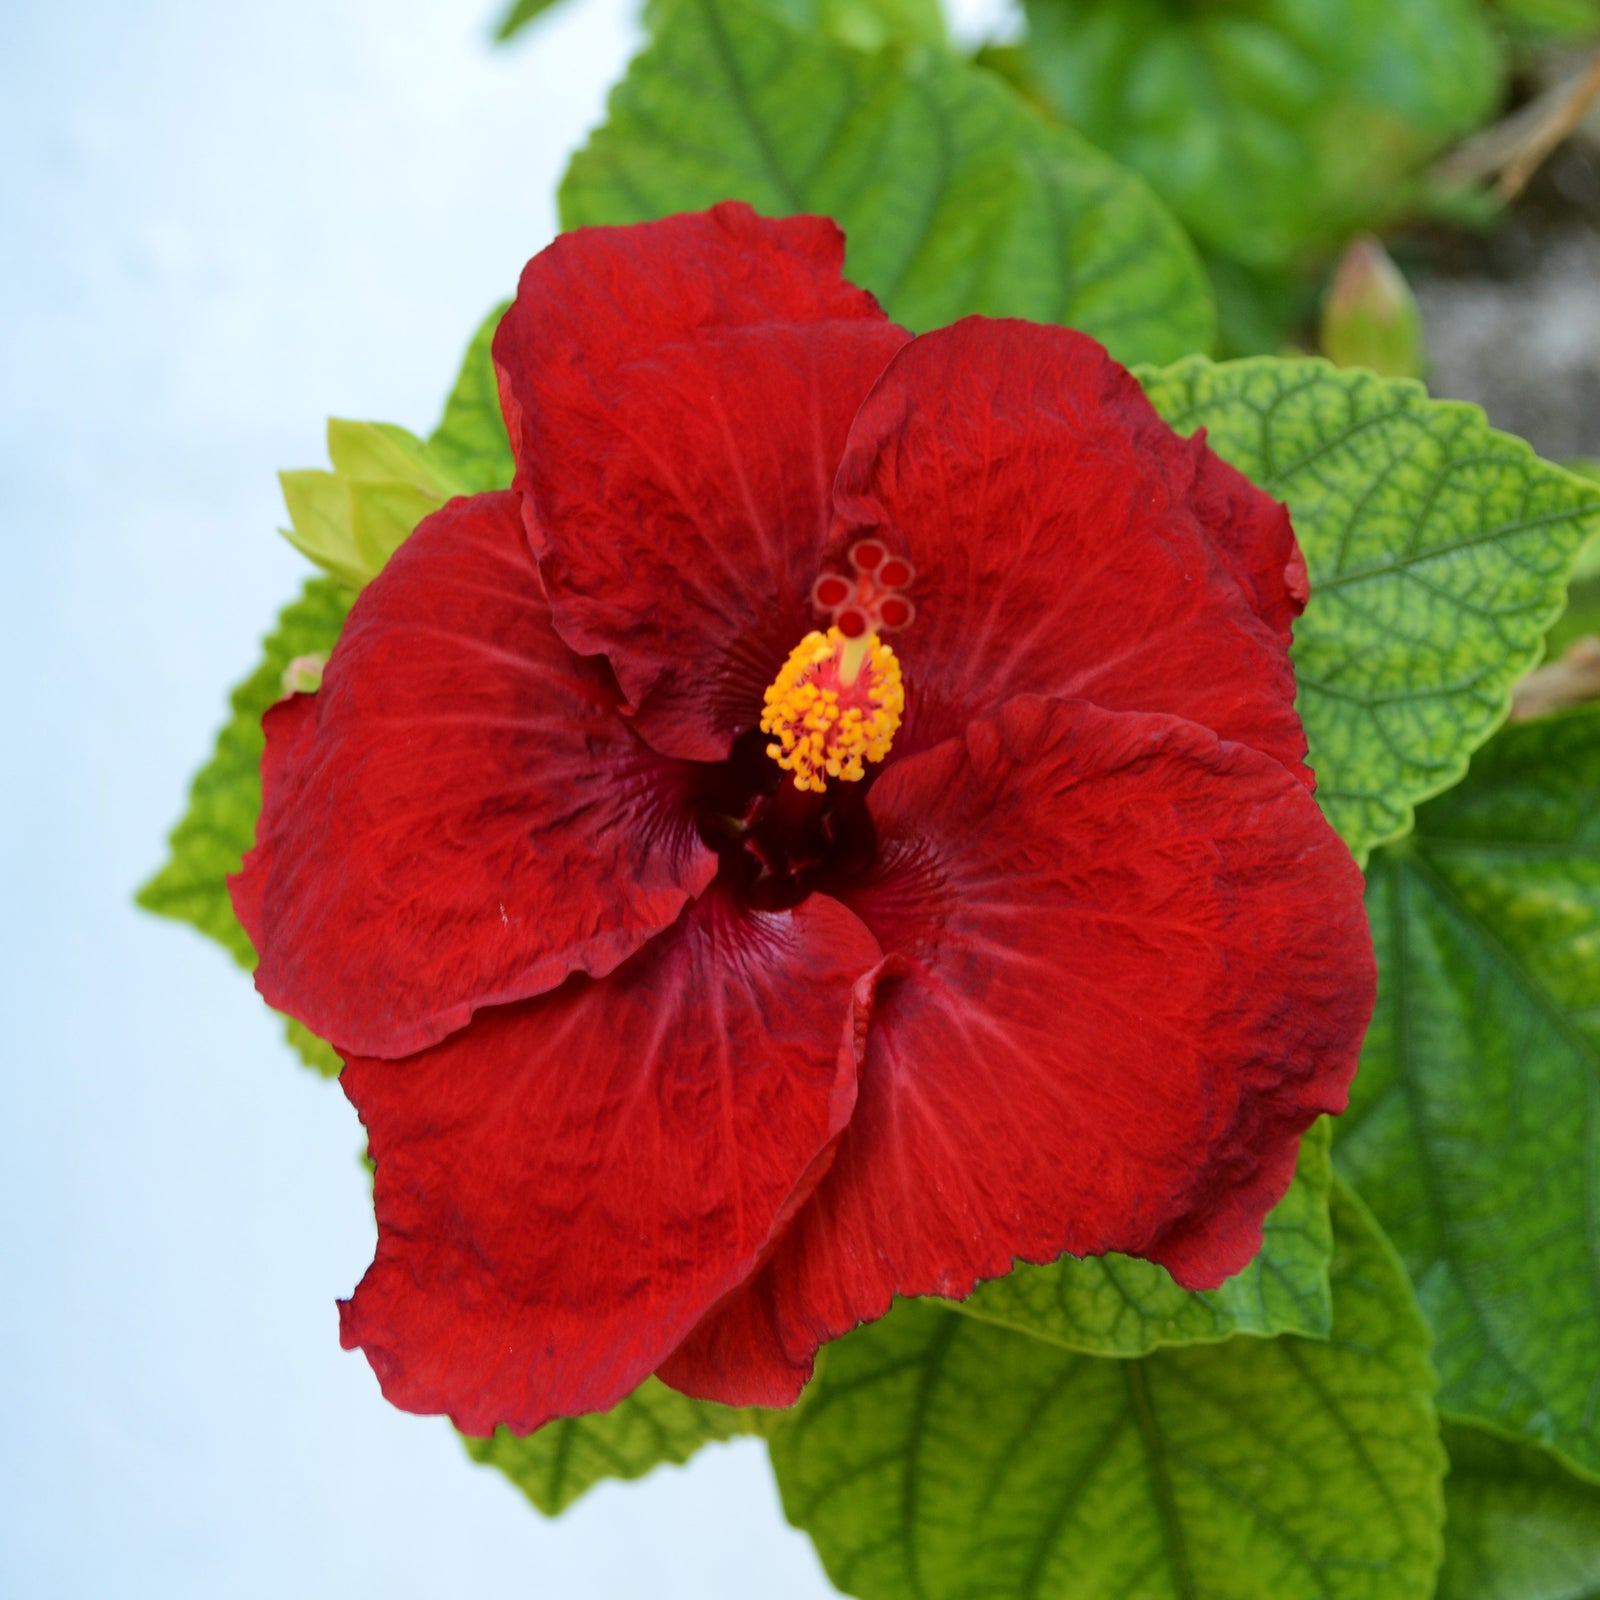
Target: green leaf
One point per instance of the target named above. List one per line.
(1474, 1125)
(319, 525)
(316, 1053)
(653, 1426)
(1535, 23)
(956, 197)
(1270, 126)
(938, 1456)
(1585, 467)
(225, 798)
(1256, 309)
(1438, 552)
(1120, 1306)
(471, 439)
(1519, 1526)
(220, 824)
(1580, 619)
(379, 452)
(1582, 615)
(865, 24)
(520, 14)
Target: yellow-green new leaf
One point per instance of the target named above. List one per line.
(385, 479)
(384, 482)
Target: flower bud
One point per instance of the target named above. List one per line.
(303, 675)
(1369, 315)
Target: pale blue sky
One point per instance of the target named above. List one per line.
(220, 224)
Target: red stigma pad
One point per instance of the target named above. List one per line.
(895, 612)
(871, 598)
(831, 591)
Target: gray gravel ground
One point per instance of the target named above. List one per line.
(1527, 350)
(1513, 321)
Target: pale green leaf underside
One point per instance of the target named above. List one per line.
(1474, 1127)
(940, 1457)
(220, 823)
(1120, 1306)
(955, 197)
(1519, 1525)
(1438, 551)
(653, 1427)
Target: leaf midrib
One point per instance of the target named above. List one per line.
(745, 106)
(1161, 1481)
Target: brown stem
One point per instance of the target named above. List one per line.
(1518, 145)
(1574, 680)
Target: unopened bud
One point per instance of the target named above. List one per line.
(1369, 315)
(303, 675)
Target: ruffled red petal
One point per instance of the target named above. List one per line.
(1129, 966)
(678, 395)
(565, 1188)
(459, 817)
(1249, 528)
(1067, 542)
(736, 1354)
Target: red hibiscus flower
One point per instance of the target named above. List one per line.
(836, 827)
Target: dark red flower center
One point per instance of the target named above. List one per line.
(777, 843)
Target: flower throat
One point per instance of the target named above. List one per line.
(786, 812)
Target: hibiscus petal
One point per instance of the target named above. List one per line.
(459, 817)
(564, 1188)
(1130, 967)
(1067, 542)
(737, 1356)
(1250, 529)
(678, 395)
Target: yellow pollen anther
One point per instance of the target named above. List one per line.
(826, 724)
